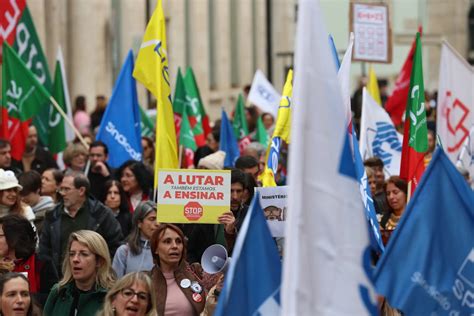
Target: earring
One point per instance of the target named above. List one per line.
(114, 310)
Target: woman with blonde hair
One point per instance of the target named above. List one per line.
(133, 293)
(75, 156)
(87, 275)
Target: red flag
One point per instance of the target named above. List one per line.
(397, 102)
(15, 132)
(10, 14)
(12, 129)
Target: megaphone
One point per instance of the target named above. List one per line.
(215, 259)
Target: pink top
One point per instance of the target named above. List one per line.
(176, 301)
(82, 121)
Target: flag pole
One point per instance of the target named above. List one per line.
(66, 118)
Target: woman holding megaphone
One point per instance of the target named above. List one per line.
(178, 290)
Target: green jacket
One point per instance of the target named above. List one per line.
(60, 302)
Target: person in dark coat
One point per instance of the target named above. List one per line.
(99, 172)
(34, 157)
(77, 211)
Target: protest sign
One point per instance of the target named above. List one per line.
(192, 196)
(274, 201)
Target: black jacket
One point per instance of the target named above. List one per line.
(43, 160)
(101, 220)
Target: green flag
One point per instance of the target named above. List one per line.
(22, 94)
(147, 125)
(193, 92)
(416, 104)
(415, 140)
(186, 136)
(239, 122)
(262, 135)
(57, 134)
(179, 100)
(28, 47)
(186, 101)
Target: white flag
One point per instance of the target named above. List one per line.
(455, 117)
(263, 94)
(344, 75)
(466, 156)
(327, 234)
(378, 136)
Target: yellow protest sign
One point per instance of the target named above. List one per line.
(192, 196)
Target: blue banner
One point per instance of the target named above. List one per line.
(228, 142)
(428, 265)
(120, 125)
(252, 284)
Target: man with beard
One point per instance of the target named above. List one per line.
(99, 172)
(34, 157)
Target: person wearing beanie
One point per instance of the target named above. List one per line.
(213, 161)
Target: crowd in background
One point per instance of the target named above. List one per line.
(78, 237)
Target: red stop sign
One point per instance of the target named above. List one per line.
(193, 211)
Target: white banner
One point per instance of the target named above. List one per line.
(274, 203)
(455, 117)
(263, 94)
(378, 136)
(324, 268)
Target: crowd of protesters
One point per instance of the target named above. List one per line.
(85, 240)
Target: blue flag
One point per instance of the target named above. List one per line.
(252, 283)
(428, 265)
(228, 142)
(120, 125)
(334, 51)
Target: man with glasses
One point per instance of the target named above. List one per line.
(77, 211)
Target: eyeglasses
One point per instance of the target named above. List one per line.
(129, 294)
(64, 190)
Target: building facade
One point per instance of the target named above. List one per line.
(226, 41)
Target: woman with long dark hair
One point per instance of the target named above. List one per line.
(396, 190)
(115, 198)
(136, 255)
(137, 182)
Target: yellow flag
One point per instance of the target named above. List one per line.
(282, 125)
(373, 86)
(151, 69)
(281, 132)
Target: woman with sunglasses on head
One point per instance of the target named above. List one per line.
(135, 255)
(87, 276)
(131, 295)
